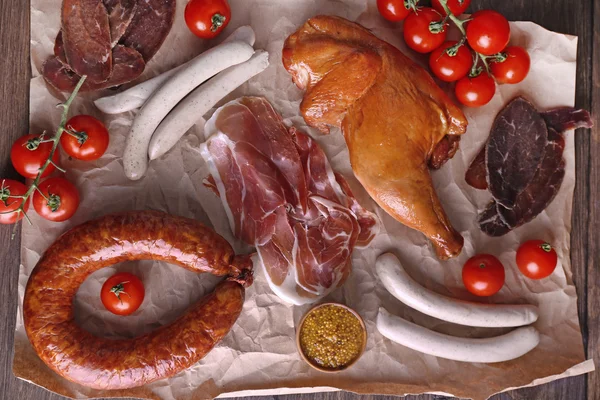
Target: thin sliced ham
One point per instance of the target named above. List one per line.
(282, 196)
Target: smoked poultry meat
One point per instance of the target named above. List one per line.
(396, 121)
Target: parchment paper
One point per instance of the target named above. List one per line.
(259, 355)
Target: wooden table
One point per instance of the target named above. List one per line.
(576, 17)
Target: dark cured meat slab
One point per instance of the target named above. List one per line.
(128, 65)
(476, 175)
(150, 26)
(120, 15)
(86, 37)
(59, 48)
(497, 220)
(514, 150)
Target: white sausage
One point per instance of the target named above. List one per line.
(201, 100)
(135, 97)
(404, 288)
(199, 70)
(488, 350)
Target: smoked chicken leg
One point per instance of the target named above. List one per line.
(396, 121)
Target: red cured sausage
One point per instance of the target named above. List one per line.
(101, 363)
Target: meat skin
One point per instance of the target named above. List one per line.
(103, 363)
(391, 112)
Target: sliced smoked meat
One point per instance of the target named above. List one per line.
(497, 220)
(150, 26)
(476, 175)
(59, 49)
(120, 15)
(86, 37)
(128, 65)
(514, 150)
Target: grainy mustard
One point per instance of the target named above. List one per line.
(331, 337)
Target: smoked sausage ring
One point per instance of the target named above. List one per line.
(102, 363)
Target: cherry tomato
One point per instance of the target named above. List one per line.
(475, 92)
(514, 68)
(536, 259)
(488, 32)
(122, 293)
(417, 33)
(207, 18)
(8, 202)
(28, 155)
(60, 199)
(450, 68)
(483, 275)
(88, 139)
(457, 7)
(393, 10)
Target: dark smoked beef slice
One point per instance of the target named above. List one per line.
(128, 65)
(120, 15)
(497, 220)
(514, 150)
(86, 37)
(59, 48)
(476, 175)
(150, 26)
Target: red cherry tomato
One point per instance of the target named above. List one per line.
(122, 293)
(514, 68)
(450, 68)
(483, 275)
(536, 259)
(488, 32)
(393, 10)
(28, 155)
(417, 33)
(59, 202)
(207, 18)
(9, 201)
(475, 92)
(457, 7)
(88, 139)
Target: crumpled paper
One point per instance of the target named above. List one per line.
(259, 355)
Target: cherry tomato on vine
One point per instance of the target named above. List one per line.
(457, 7)
(514, 68)
(488, 32)
(122, 293)
(393, 10)
(483, 275)
(207, 18)
(28, 155)
(450, 63)
(60, 199)
(418, 34)
(536, 259)
(87, 138)
(10, 191)
(475, 92)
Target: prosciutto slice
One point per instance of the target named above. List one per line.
(282, 196)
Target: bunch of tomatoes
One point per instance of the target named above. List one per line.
(33, 157)
(477, 61)
(483, 274)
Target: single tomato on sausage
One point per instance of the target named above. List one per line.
(477, 91)
(122, 293)
(86, 138)
(488, 32)
(513, 67)
(393, 10)
(483, 275)
(424, 30)
(536, 259)
(449, 62)
(56, 200)
(457, 7)
(29, 153)
(207, 18)
(10, 200)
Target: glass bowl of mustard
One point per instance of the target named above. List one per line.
(331, 337)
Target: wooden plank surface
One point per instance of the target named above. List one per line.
(574, 17)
